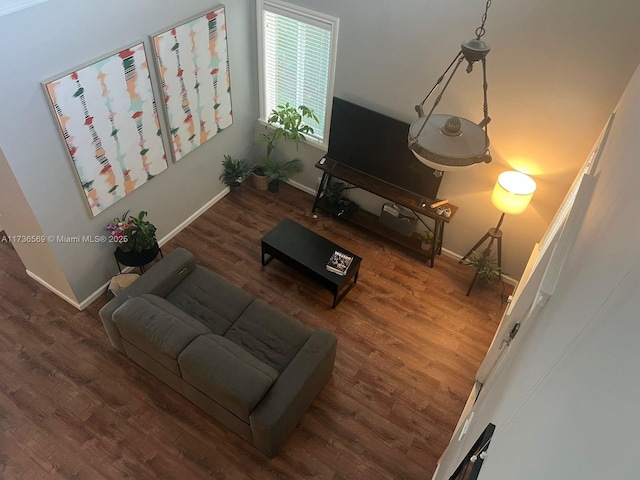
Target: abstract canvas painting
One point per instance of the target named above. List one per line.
(193, 65)
(107, 117)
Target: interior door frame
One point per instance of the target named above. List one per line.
(536, 286)
(545, 264)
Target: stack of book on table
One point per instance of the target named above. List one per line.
(339, 263)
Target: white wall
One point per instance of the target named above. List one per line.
(566, 404)
(555, 72)
(41, 42)
(18, 220)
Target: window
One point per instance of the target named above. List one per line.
(296, 56)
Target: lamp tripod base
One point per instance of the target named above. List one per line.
(493, 235)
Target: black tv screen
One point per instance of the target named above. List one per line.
(376, 144)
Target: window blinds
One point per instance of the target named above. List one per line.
(297, 57)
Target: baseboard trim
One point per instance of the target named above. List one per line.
(302, 187)
(451, 254)
(193, 216)
(101, 291)
(53, 289)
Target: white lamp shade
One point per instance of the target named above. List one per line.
(445, 142)
(512, 192)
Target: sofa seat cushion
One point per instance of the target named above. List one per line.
(226, 373)
(211, 299)
(269, 335)
(157, 328)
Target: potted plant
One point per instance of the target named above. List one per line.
(234, 172)
(334, 191)
(275, 170)
(427, 237)
(260, 180)
(135, 237)
(287, 122)
(486, 266)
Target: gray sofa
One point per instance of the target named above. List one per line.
(251, 367)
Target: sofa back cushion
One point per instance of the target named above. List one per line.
(269, 335)
(169, 308)
(211, 299)
(159, 280)
(158, 328)
(226, 373)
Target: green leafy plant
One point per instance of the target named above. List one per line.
(132, 233)
(486, 266)
(334, 191)
(286, 122)
(234, 171)
(427, 237)
(275, 170)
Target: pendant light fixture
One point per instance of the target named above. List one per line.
(450, 142)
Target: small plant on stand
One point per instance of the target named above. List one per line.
(334, 191)
(133, 233)
(427, 237)
(486, 266)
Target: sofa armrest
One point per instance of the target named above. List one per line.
(158, 280)
(289, 398)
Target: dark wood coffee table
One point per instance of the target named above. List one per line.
(308, 253)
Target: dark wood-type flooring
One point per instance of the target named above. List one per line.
(410, 341)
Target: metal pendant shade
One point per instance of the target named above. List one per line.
(445, 142)
(450, 142)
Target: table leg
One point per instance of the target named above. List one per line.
(436, 247)
(338, 298)
(441, 237)
(323, 182)
(473, 282)
(264, 262)
(117, 262)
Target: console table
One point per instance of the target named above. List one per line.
(419, 205)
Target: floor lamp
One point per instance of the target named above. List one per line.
(511, 194)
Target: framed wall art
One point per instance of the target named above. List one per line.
(193, 66)
(106, 115)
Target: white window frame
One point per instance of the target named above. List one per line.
(307, 16)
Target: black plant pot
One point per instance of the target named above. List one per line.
(274, 186)
(137, 259)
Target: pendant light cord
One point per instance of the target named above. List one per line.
(480, 30)
(438, 82)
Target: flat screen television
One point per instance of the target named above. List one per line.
(376, 144)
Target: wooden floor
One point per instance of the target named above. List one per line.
(409, 343)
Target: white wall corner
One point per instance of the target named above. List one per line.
(101, 291)
(68, 299)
